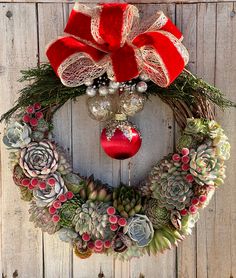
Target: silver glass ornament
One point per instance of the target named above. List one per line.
(131, 103)
(141, 87)
(103, 91)
(88, 83)
(101, 108)
(91, 92)
(114, 85)
(144, 77)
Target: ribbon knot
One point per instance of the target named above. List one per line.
(109, 39)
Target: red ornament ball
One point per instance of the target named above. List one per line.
(120, 140)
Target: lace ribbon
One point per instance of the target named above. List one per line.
(109, 39)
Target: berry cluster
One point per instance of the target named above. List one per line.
(33, 114)
(115, 220)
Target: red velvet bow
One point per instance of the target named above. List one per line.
(109, 39)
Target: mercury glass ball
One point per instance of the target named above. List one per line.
(132, 103)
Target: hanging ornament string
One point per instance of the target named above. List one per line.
(106, 39)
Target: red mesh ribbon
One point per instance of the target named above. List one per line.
(106, 39)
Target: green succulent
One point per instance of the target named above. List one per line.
(127, 201)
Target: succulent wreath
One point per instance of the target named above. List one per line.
(126, 221)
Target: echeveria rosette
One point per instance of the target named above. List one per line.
(140, 229)
(173, 191)
(67, 235)
(17, 135)
(205, 166)
(196, 127)
(45, 197)
(39, 159)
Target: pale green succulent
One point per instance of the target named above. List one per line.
(195, 126)
(17, 135)
(205, 165)
(134, 251)
(173, 191)
(222, 146)
(139, 229)
(67, 235)
(92, 218)
(188, 222)
(215, 129)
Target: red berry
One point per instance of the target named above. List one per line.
(30, 109)
(86, 237)
(55, 218)
(42, 185)
(26, 118)
(176, 157)
(203, 198)
(122, 222)
(37, 106)
(111, 211)
(113, 227)
(189, 178)
(31, 187)
(90, 245)
(62, 198)
(33, 122)
(185, 167)
(194, 201)
(52, 210)
(34, 182)
(113, 219)
(107, 244)
(98, 250)
(185, 151)
(39, 115)
(192, 209)
(184, 212)
(25, 182)
(185, 159)
(98, 243)
(57, 204)
(51, 181)
(69, 195)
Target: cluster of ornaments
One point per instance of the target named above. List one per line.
(113, 102)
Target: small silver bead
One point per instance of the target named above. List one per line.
(141, 87)
(111, 91)
(88, 83)
(91, 92)
(103, 91)
(114, 85)
(144, 77)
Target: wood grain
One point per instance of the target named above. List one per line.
(122, 1)
(21, 242)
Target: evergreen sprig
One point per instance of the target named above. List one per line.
(45, 87)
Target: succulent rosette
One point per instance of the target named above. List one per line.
(17, 135)
(173, 191)
(206, 166)
(140, 229)
(222, 146)
(195, 126)
(67, 235)
(45, 197)
(39, 159)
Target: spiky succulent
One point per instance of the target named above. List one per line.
(94, 190)
(127, 201)
(42, 219)
(39, 159)
(92, 218)
(17, 135)
(159, 216)
(45, 197)
(205, 166)
(68, 211)
(140, 229)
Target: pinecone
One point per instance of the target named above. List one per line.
(42, 219)
(205, 166)
(95, 191)
(158, 216)
(121, 242)
(92, 218)
(127, 201)
(200, 189)
(82, 253)
(68, 211)
(173, 191)
(39, 159)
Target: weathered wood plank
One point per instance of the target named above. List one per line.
(205, 64)
(186, 20)
(51, 21)
(21, 242)
(121, 1)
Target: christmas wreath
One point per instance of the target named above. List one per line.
(126, 221)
